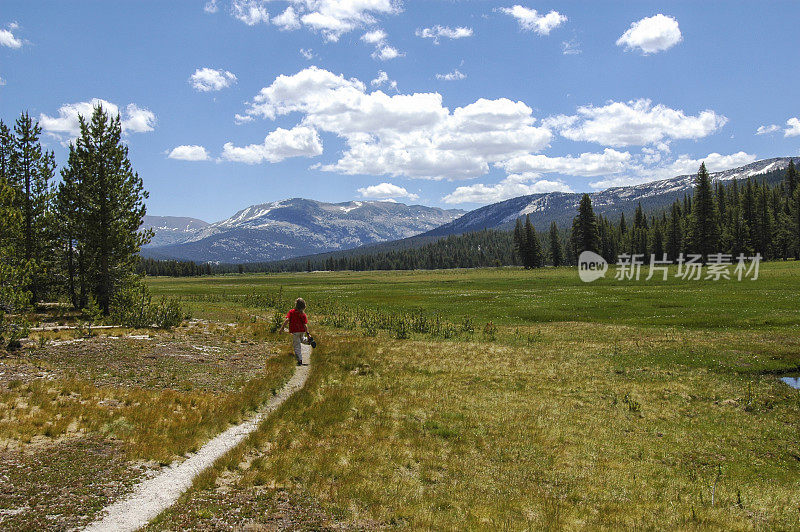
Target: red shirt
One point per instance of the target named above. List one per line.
(297, 321)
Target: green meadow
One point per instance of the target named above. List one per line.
(516, 400)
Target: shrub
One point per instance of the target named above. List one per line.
(402, 331)
(490, 331)
(133, 306)
(276, 322)
(169, 313)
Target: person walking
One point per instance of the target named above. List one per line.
(298, 328)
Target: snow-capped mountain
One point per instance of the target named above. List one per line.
(172, 229)
(560, 207)
(294, 227)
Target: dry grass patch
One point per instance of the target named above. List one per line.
(124, 400)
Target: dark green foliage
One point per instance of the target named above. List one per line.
(585, 236)
(674, 244)
(795, 213)
(791, 178)
(103, 202)
(133, 306)
(556, 250)
(14, 297)
(704, 221)
(31, 173)
(527, 245)
(79, 241)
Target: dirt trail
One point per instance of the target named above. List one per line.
(155, 495)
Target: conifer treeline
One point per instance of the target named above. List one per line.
(739, 217)
(78, 239)
(736, 218)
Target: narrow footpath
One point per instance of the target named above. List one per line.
(153, 496)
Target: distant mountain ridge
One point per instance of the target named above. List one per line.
(560, 207)
(297, 226)
(172, 229)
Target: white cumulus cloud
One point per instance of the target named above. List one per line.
(288, 20)
(383, 79)
(383, 51)
(137, 120)
(8, 39)
(652, 34)
(530, 19)
(333, 18)
(410, 135)
(66, 126)
(609, 161)
(300, 141)
(386, 191)
(374, 36)
(766, 130)
(511, 187)
(251, 12)
(208, 79)
(793, 127)
(211, 6)
(386, 52)
(189, 152)
(455, 75)
(438, 32)
(637, 122)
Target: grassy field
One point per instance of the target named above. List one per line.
(510, 399)
(83, 418)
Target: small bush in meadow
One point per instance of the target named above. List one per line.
(276, 322)
(490, 331)
(402, 330)
(133, 306)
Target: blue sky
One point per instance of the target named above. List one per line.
(445, 103)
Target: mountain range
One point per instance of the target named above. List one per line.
(289, 228)
(560, 207)
(172, 229)
(299, 227)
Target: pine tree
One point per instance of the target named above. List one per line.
(639, 233)
(114, 205)
(519, 241)
(533, 249)
(674, 243)
(796, 221)
(73, 230)
(10, 236)
(14, 280)
(722, 203)
(6, 152)
(703, 224)
(658, 242)
(585, 236)
(749, 212)
(556, 253)
(762, 228)
(32, 171)
(791, 178)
